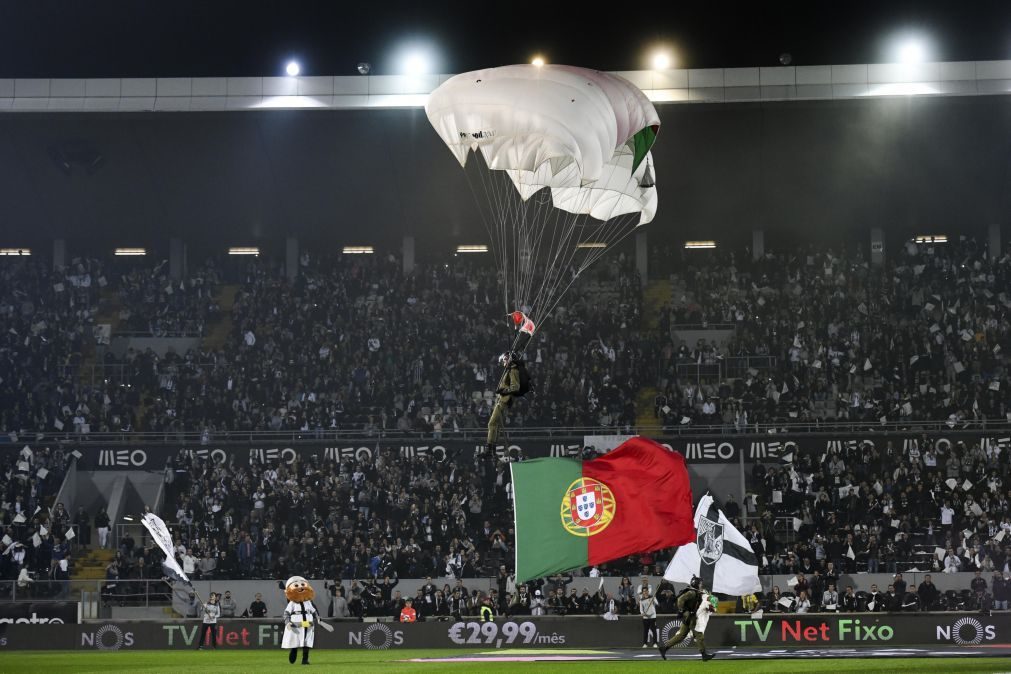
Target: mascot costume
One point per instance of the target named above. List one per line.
(300, 619)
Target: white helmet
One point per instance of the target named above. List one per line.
(503, 359)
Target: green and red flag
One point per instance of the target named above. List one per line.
(571, 513)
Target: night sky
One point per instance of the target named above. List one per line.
(146, 38)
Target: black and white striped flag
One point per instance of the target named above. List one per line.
(720, 555)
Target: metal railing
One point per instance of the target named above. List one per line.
(175, 333)
(735, 367)
(675, 326)
(699, 371)
(142, 537)
(93, 374)
(121, 592)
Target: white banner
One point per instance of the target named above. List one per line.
(163, 538)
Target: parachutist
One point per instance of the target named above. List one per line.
(514, 383)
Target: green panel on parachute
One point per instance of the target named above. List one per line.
(641, 143)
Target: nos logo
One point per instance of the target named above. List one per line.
(670, 629)
(376, 637)
(107, 638)
(966, 632)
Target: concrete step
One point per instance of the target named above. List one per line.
(644, 416)
(219, 332)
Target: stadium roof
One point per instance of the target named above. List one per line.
(811, 152)
(708, 85)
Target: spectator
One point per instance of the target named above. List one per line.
(258, 609)
(876, 601)
(850, 601)
(537, 604)
(978, 583)
(928, 594)
(407, 613)
(83, 527)
(227, 605)
(830, 599)
(102, 527)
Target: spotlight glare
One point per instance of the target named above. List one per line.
(538, 61)
(911, 52)
(293, 68)
(415, 64)
(661, 61)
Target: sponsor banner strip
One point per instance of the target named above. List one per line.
(696, 450)
(40, 613)
(843, 630)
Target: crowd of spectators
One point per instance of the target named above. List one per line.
(354, 342)
(35, 531)
(832, 337)
(52, 378)
(361, 345)
(155, 305)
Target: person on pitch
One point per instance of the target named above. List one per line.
(300, 619)
(695, 605)
(647, 609)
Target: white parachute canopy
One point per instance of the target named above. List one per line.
(583, 135)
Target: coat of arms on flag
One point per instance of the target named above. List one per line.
(584, 504)
(587, 507)
(710, 540)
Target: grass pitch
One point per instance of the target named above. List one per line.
(221, 662)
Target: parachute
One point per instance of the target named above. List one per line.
(567, 170)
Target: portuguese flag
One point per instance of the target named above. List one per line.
(572, 513)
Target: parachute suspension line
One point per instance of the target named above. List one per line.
(592, 257)
(535, 244)
(568, 249)
(490, 225)
(543, 237)
(609, 231)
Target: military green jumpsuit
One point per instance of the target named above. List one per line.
(508, 384)
(688, 605)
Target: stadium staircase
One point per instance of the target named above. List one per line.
(90, 565)
(655, 296)
(109, 306)
(219, 332)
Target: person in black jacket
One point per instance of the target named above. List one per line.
(928, 594)
(1001, 586)
(849, 601)
(458, 605)
(258, 609)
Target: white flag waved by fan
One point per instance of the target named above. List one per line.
(163, 538)
(720, 555)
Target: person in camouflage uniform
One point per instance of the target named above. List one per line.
(694, 606)
(508, 387)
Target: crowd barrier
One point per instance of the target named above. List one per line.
(840, 630)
